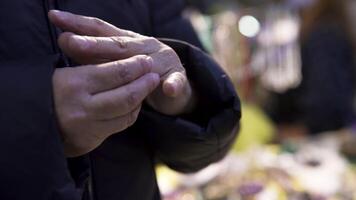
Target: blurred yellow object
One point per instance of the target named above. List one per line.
(168, 180)
(256, 128)
(272, 191)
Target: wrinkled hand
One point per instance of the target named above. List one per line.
(95, 101)
(91, 40)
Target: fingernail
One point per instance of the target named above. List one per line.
(174, 89)
(174, 84)
(169, 89)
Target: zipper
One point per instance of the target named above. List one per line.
(65, 62)
(54, 33)
(90, 185)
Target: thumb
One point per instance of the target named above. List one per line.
(175, 84)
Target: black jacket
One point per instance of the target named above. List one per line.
(32, 162)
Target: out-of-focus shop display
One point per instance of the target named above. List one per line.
(300, 170)
(291, 62)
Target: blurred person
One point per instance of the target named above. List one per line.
(324, 100)
(327, 88)
(112, 101)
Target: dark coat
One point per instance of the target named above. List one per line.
(325, 99)
(327, 90)
(32, 162)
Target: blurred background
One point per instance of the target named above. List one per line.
(293, 65)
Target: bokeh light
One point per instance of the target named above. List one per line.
(249, 26)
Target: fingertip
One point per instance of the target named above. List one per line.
(55, 15)
(173, 86)
(169, 89)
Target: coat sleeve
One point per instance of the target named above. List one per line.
(191, 142)
(32, 163)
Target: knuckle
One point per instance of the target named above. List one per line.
(97, 21)
(152, 43)
(170, 57)
(76, 45)
(132, 99)
(117, 64)
(124, 72)
(120, 42)
(144, 61)
(72, 43)
(168, 52)
(132, 34)
(152, 40)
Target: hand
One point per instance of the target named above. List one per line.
(92, 40)
(95, 101)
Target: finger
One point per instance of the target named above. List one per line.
(165, 62)
(175, 84)
(91, 50)
(83, 25)
(119, 124)
(111, 75)
(120, 101)
(71, 45)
